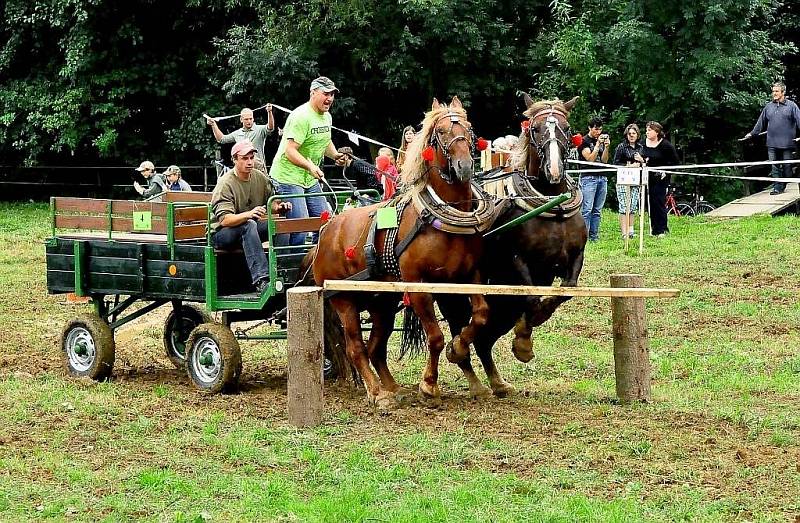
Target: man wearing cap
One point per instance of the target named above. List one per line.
(238, 211)
(250, 131)
(174, 180)
(155, 182)
(306, 138)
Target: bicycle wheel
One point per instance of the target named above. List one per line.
(705, 207)
(684, 209)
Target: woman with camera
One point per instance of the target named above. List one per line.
(629, 154)
(658, 152)
(594, 185)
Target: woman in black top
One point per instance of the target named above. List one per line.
(658, 152)
(629, 154)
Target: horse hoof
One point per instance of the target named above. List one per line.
(386, 401)
(455, 352)
(479, 392)
(504, 390)
(430, 395)
(404, 397)
(522, 349)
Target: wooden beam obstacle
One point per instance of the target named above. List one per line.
(629, 329)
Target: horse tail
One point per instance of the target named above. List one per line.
(336, 348)
(413, 339)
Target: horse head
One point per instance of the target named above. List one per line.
(548, 137)
(452, 141)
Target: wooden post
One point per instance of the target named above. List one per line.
(305, 356)
(631, 344)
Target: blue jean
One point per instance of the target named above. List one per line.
(303, 207)
(249, 235)
(594, 189)
(780, 171)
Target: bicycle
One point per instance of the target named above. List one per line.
(693, 207)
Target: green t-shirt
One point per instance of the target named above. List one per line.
(313, 132)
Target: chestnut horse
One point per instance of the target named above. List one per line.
(532, 253)
(440, 158)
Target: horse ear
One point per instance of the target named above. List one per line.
(527, 98)
(435, 105)
(569, 105)
(456, 103)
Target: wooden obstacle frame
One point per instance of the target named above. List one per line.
(629, 330)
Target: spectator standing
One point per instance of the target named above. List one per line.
(594, 186)
(306, 138)
(781, 119)
(250, 131)
(238, 211)
(364, 173)
(387, 172)
(658, 152)
(155, 182)
(629, 154)
(174, 180)
(408, 136)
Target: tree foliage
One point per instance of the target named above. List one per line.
(89, 79)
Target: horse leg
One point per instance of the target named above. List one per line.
(483, 348)
(429, 386)
(522, 346)
(458, 348)
(357, 351)
(456, 311)
(382, 324)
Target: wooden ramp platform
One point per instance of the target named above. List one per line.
(758, 203)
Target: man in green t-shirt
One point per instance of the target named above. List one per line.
(306, 139)
(238, 219)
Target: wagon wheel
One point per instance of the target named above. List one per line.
(177, 330)
(213, 357)
(88, 345)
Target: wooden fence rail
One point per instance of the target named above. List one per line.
(629, 326)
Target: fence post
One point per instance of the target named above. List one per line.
(631, 343)
(305, 356)
(205, 179)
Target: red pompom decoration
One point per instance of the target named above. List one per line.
(350, 252)
(482, 144)
(325, 216)
(428, 154)
(577, 140)
(406, 300)
(525, 125)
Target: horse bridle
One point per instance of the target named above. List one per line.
(436, 141)
(553, 128)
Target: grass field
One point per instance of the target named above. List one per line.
(720, 441)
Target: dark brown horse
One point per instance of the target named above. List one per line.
(440, 159)
(533, 253)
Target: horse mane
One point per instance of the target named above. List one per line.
(414, 173)
(519, 158)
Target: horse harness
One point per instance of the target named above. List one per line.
(553, 130)
(436, 141)
(431, 211)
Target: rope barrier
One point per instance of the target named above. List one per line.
(673, 169)
(351, 135)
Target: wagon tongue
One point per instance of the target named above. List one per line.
(531, 214)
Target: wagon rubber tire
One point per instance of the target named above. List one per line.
(88, 345)
(175, 340)
(213, 358)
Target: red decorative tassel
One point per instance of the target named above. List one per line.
(577, 140)
(525, 125)
(406, 300)
(325, 216)
(428, 154)
(350, 252)
(482, 144)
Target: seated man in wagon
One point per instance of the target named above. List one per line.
(239, 212)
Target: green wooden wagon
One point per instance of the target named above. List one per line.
(132, 257)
